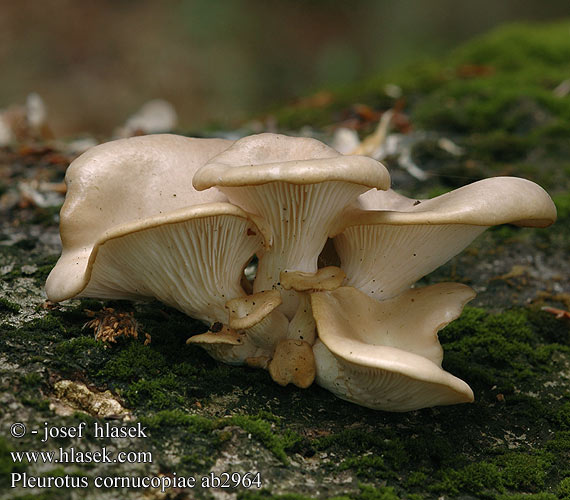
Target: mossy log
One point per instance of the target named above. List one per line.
(497, 99)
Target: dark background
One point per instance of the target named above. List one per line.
(96, 62)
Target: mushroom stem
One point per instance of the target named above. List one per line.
(256, 316)
(302, 326)
(301, 217)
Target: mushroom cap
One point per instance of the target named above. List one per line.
(226, 345)
(122, 182)
(389, 348)
(263, 158)
(256, 315)
(225, 336)
(388, 248)
(374, 199)
(326, 278)
(247, 311)
(386, 389)
(191, 259)
(498, 200)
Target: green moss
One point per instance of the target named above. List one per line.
(31, 380)
(562, 202)
(505, 350)
(157, 393)
(416, 478)
(514, 470)
(133, 362)
(162, 380)
(41, 405)
(367, 467)
(40, 329)
(560, 442)
(509, 87)
(366, 492)
(260, 429)
(392, 449)
(7, 465)
(532, 496)
(196, 461)
(564, 489)
(525, 471)
(8, 306)
(563, 416)
(479, 479)
(171, 419)
(77, 346)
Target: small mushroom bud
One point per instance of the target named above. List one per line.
(293, 362)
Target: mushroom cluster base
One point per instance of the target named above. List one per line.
(180, 219)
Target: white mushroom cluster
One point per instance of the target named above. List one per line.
(179, 219)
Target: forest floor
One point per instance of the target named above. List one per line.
(503, 103)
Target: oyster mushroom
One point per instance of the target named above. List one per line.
(142, 218)
(386, 354)
(191, 258)
(119, 182)
(394, 241)
(299, 186)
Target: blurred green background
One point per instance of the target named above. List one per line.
(96, 62)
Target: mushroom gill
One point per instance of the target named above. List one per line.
(299, 187)
(396, 241)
